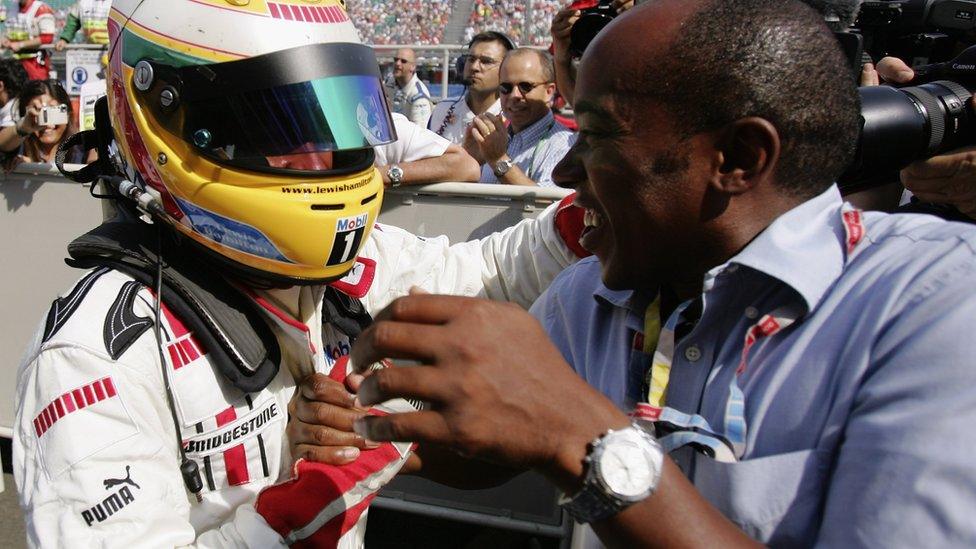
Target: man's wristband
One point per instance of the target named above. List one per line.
(22, 134)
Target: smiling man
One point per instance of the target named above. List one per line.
(524, 151)
(776, 367)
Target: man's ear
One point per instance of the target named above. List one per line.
(748, 150)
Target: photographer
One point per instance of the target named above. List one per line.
(561, 29)
(948, 179)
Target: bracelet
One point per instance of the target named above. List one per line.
(20, 133)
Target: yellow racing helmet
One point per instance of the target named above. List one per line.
(253, 123)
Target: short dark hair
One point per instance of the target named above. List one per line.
(545, 61)
(493, 36)
(37, 88)
(13, 75)
(773, 59)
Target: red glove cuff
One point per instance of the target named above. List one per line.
(569, 224)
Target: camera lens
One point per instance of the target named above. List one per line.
(589, 24)
(902, 125)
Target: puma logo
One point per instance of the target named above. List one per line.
(110, 482)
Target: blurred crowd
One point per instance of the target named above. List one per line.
(400, 21)
(423, 22)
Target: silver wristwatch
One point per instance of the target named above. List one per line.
(622, 468)
(395, 173)
(501, 167)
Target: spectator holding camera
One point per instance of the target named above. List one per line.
(45, 118)
(524, 151)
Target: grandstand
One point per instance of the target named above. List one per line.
(433, 22)
(427, 22)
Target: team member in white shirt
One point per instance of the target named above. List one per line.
(452, 117)
(421, 156)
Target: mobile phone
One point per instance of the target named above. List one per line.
(56, 115)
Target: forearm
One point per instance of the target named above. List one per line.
(515, 176)
(565, 79)
(10, 140)
(453, 165)
(676, 515)
(71, 26)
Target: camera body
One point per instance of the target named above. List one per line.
(594, 15)
(56, 115)
(918, 32)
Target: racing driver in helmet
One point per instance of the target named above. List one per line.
(244, 258)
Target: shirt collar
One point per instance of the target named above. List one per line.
(811, 234)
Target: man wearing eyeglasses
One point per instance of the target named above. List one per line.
(523, 147)
(411, 97)
(452, 117)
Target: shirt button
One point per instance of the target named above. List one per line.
(732, 268)
(693, 353)
(752, 313)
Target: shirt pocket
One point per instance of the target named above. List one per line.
(775, 499)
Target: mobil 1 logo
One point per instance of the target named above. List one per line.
(349, 236)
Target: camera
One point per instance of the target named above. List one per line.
(56, 115)
(902, 125)
(916, 31)
(594, 15)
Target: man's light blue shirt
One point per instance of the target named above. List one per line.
(860, 416)
(536, 150)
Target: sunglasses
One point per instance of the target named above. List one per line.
(506, 88)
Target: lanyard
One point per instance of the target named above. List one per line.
(449, 117)
(728, 444)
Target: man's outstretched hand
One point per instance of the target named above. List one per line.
(496, 387)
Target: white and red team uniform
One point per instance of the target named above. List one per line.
(95, 456)
(35, 20)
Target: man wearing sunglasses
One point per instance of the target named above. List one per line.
(411, 97)
(525, 150)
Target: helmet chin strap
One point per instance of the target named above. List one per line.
(98, 139)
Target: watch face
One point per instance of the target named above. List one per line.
(626, 467)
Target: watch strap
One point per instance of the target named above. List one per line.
(501, 167)
(594, 502)
(395, 173)
(589, 505)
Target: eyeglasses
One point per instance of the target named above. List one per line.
(506, 88)
(484, 60)
(400, 60)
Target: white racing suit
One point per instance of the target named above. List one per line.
(95, 453)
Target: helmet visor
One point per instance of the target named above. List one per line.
(326, 115)
(266, 114)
